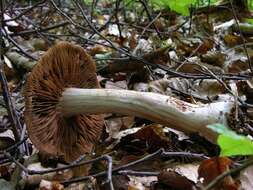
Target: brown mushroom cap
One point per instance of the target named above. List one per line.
(62, 66)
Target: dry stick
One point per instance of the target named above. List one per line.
(80, 162)
(150, 17)
(26, 11)
(159, 153)
(26, 32)
(14, 146)
(187, 59)
(151, 22)
(98, 33)
(6, 35)
(109, 171)
(148, 157)
(239, 29)
(65, 15)
(75, 163)
(6, 94)
(138, 173)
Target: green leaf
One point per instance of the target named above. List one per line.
(249, 20)
(181, 7)
(230, 143)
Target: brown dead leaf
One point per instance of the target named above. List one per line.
(189, 46)
(214, 58)
(205, 46)
(5, 170)
(159, 56)
(232, 40)
(175, 180)
(208, 87)
(238, 65)
(149, 138)
(213, 167)
(132, 41)
(97, 49)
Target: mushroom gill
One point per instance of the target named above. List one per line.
(63, 66)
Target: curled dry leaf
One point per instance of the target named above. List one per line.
(208, 87)
(150, 138)
(6, 139)
(190, 171)
(232, 40)
(174, 180)
(215, 58)
(49, 185)
(213, 167)
(246, 177)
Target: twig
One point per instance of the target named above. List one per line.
(158, 153)
(150, 17)
(66, 16)
(148, 157)
(26, 11)
(151, 22)
(6, 94)
(14, 146)
(184, 154)
(138, 173)
(239, 29)
(75, 163)
(10, 39)
(26, 32)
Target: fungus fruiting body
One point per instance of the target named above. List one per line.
(64, 65)
(60, 91)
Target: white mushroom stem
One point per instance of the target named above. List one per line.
(166, 110)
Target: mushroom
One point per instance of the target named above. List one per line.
(63, 103)
(61, 67)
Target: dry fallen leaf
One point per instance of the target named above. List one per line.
(175, 181)
(49, 185)
(246, 177)
(211, 168)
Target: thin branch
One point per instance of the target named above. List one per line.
(32, 31)
(10, 39)
(26, 11)
(16, 127)
(150, 17)
(239, 29)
